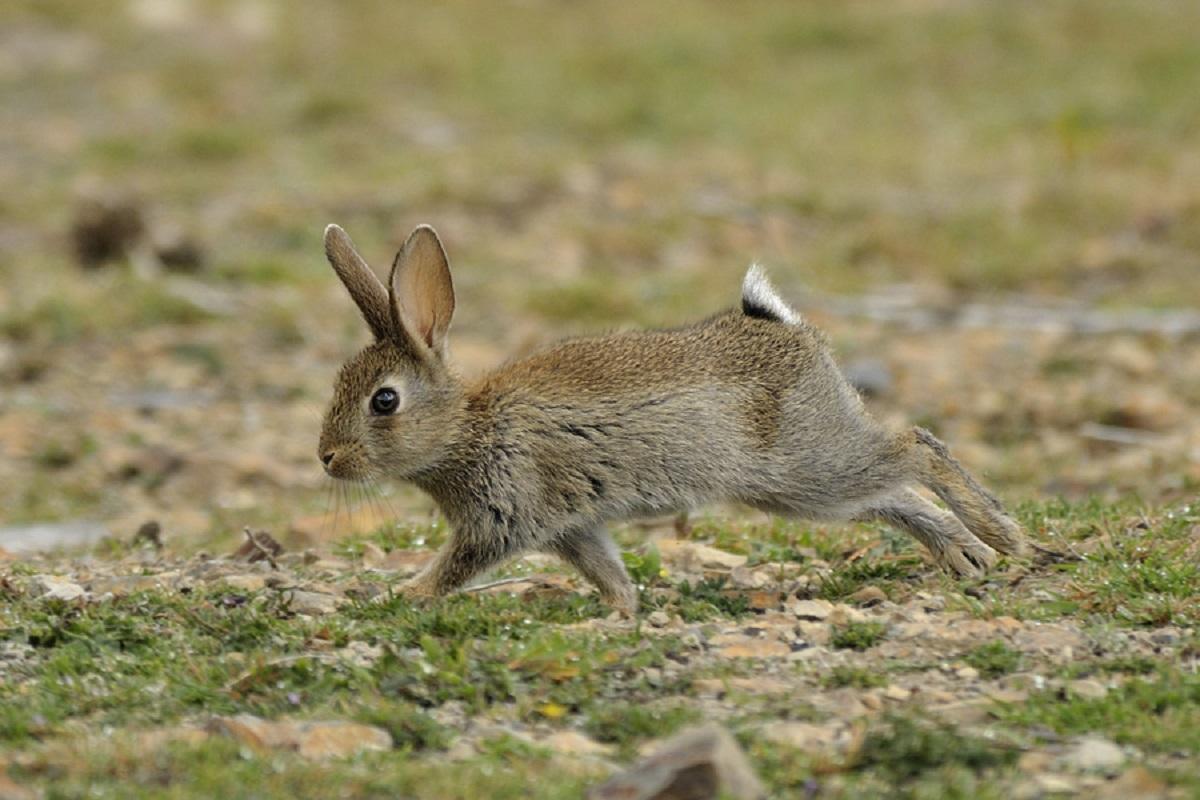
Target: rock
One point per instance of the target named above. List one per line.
(688, 556)
(815, 610)
(807, 736)
(764, 600)
(574, 743)
(245, 583)
(659, 619)
(697, 764)
(311, 740)
(966, 673)
(868, 596)
(843, 615)
(106, 227)
(122, 585)
(1057, 641)
(745, 578)
(897, 693)
(754, 648)
(55, 587)
(372, 555)
(1087, 689)
(963, 712)
(313, 604)
(1051, 783)
(1094, 754)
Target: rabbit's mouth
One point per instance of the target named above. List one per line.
(343, 463)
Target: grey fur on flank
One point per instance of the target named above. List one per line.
(746, 406)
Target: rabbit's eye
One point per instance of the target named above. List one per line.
(385, 401)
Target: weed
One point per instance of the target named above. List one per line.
(855, 677)
(857, 635)
(994, 659)
(904, 748)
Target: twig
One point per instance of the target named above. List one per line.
(481, 587)
(263, 552)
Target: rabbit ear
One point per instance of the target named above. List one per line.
(422, 293)
(360, 280)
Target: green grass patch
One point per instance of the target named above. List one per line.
(994, 659)
(857, 635)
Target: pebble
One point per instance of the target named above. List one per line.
(659, 619)
(816, 610)
(54, 587)
(1094, 754)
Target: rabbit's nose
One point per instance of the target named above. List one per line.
(327, 456)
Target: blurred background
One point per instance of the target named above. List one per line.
(992, 208)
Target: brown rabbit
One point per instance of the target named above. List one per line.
(746, 406)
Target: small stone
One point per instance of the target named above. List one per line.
(745, 578)
(709, 686)
(692, 556)
(872, 701)
(966, 673)
(898, 693)
(311, 740)
(754, 648)
(764, 600)
(816, 610)
(54, 587)
(122, 585)
(1087, 689)
(313, 604)
(245, 583)
(963, 712)
(1051, 783)
(1094, 754)
(868, 596)
(372, 555)
(807, 736)
(1035, 761)
(574, 743)
(843, 615)
(703, 762)
(659, 619)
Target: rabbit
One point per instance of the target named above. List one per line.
(746, 406)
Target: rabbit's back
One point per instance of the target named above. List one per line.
(735, 407)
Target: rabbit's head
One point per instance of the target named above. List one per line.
(396, 406)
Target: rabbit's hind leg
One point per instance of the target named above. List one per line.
(952, 546)
(978, 508)
(593, 553)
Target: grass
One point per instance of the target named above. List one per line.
(857, 635)
(156, 659)
(994, 659)
(1158, 712)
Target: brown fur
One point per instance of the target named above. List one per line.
(747, 406)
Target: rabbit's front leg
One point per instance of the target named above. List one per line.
(592, 552)
(460, 559)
